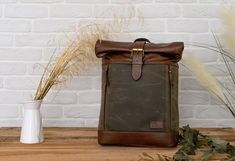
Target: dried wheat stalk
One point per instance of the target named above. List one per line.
(79, 53)
(208, 81)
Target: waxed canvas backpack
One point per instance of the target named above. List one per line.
(139, 104)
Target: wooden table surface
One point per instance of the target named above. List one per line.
(76, 144)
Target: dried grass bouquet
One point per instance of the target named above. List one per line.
(79, 53)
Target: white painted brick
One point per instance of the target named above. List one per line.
(6, 40)
(169, 37)
(79, 111)
(37, 40)
(90, 97)
(186, 112)
(8, 1)
(51, 52)
(226, 123)
(14, 97)
(91, 123)
(200, 11)
(184, 71)
(190, 84)
(80, 83)
(9, 111)
(62, 123)
(176, 1)
(1, 82)
(41, 1)
(194, 98)
(221, 60)
(32, 29)
(212, 112)
(111, 11)
(51, 111)
(70, 11)
(216, 26)
(197, 123)
(217, 69)
(54, 26)
(26, 11)
(97, 83)
(87, 1)
(20, 54)
(214, 100)
(94, 70)
(217, 1)
(12, 68)
(228, 83)
(203, 54)
(191, 26)
(62, 40)
(15, 26)
(148, 26)
(131, 1)
(21, 83)
(36, 69)
(128, 37)
(204, 39)
(21, 109)
(160, 11)
(53, 97)
(10, 122)
(51, 40)
(0, 11)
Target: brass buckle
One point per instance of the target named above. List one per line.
(137, 51)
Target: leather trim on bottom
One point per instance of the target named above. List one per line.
(159, 139)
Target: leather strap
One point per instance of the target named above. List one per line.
(137, 59)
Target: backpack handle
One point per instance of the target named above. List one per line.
(142, 39)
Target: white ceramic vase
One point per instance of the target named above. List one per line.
(32, 131)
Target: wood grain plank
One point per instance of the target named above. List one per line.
(79, 144)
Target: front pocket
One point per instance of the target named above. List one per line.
(137, 105)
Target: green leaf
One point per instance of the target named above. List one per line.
(231, 158)
(207, 155)
(219, 145)
(191, 140)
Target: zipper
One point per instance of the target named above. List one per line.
(170, 94)
(105, 93)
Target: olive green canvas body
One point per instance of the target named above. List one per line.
(129, 105)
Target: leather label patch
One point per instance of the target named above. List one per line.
(156, 124)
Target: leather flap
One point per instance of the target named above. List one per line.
(172, 51)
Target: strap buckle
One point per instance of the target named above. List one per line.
(137, 51)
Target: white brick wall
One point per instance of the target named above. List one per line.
(30, 30)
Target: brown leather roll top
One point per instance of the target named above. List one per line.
(121, 52)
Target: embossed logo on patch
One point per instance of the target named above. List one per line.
(156, 124)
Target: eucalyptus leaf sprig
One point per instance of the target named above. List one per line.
(191, 140)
